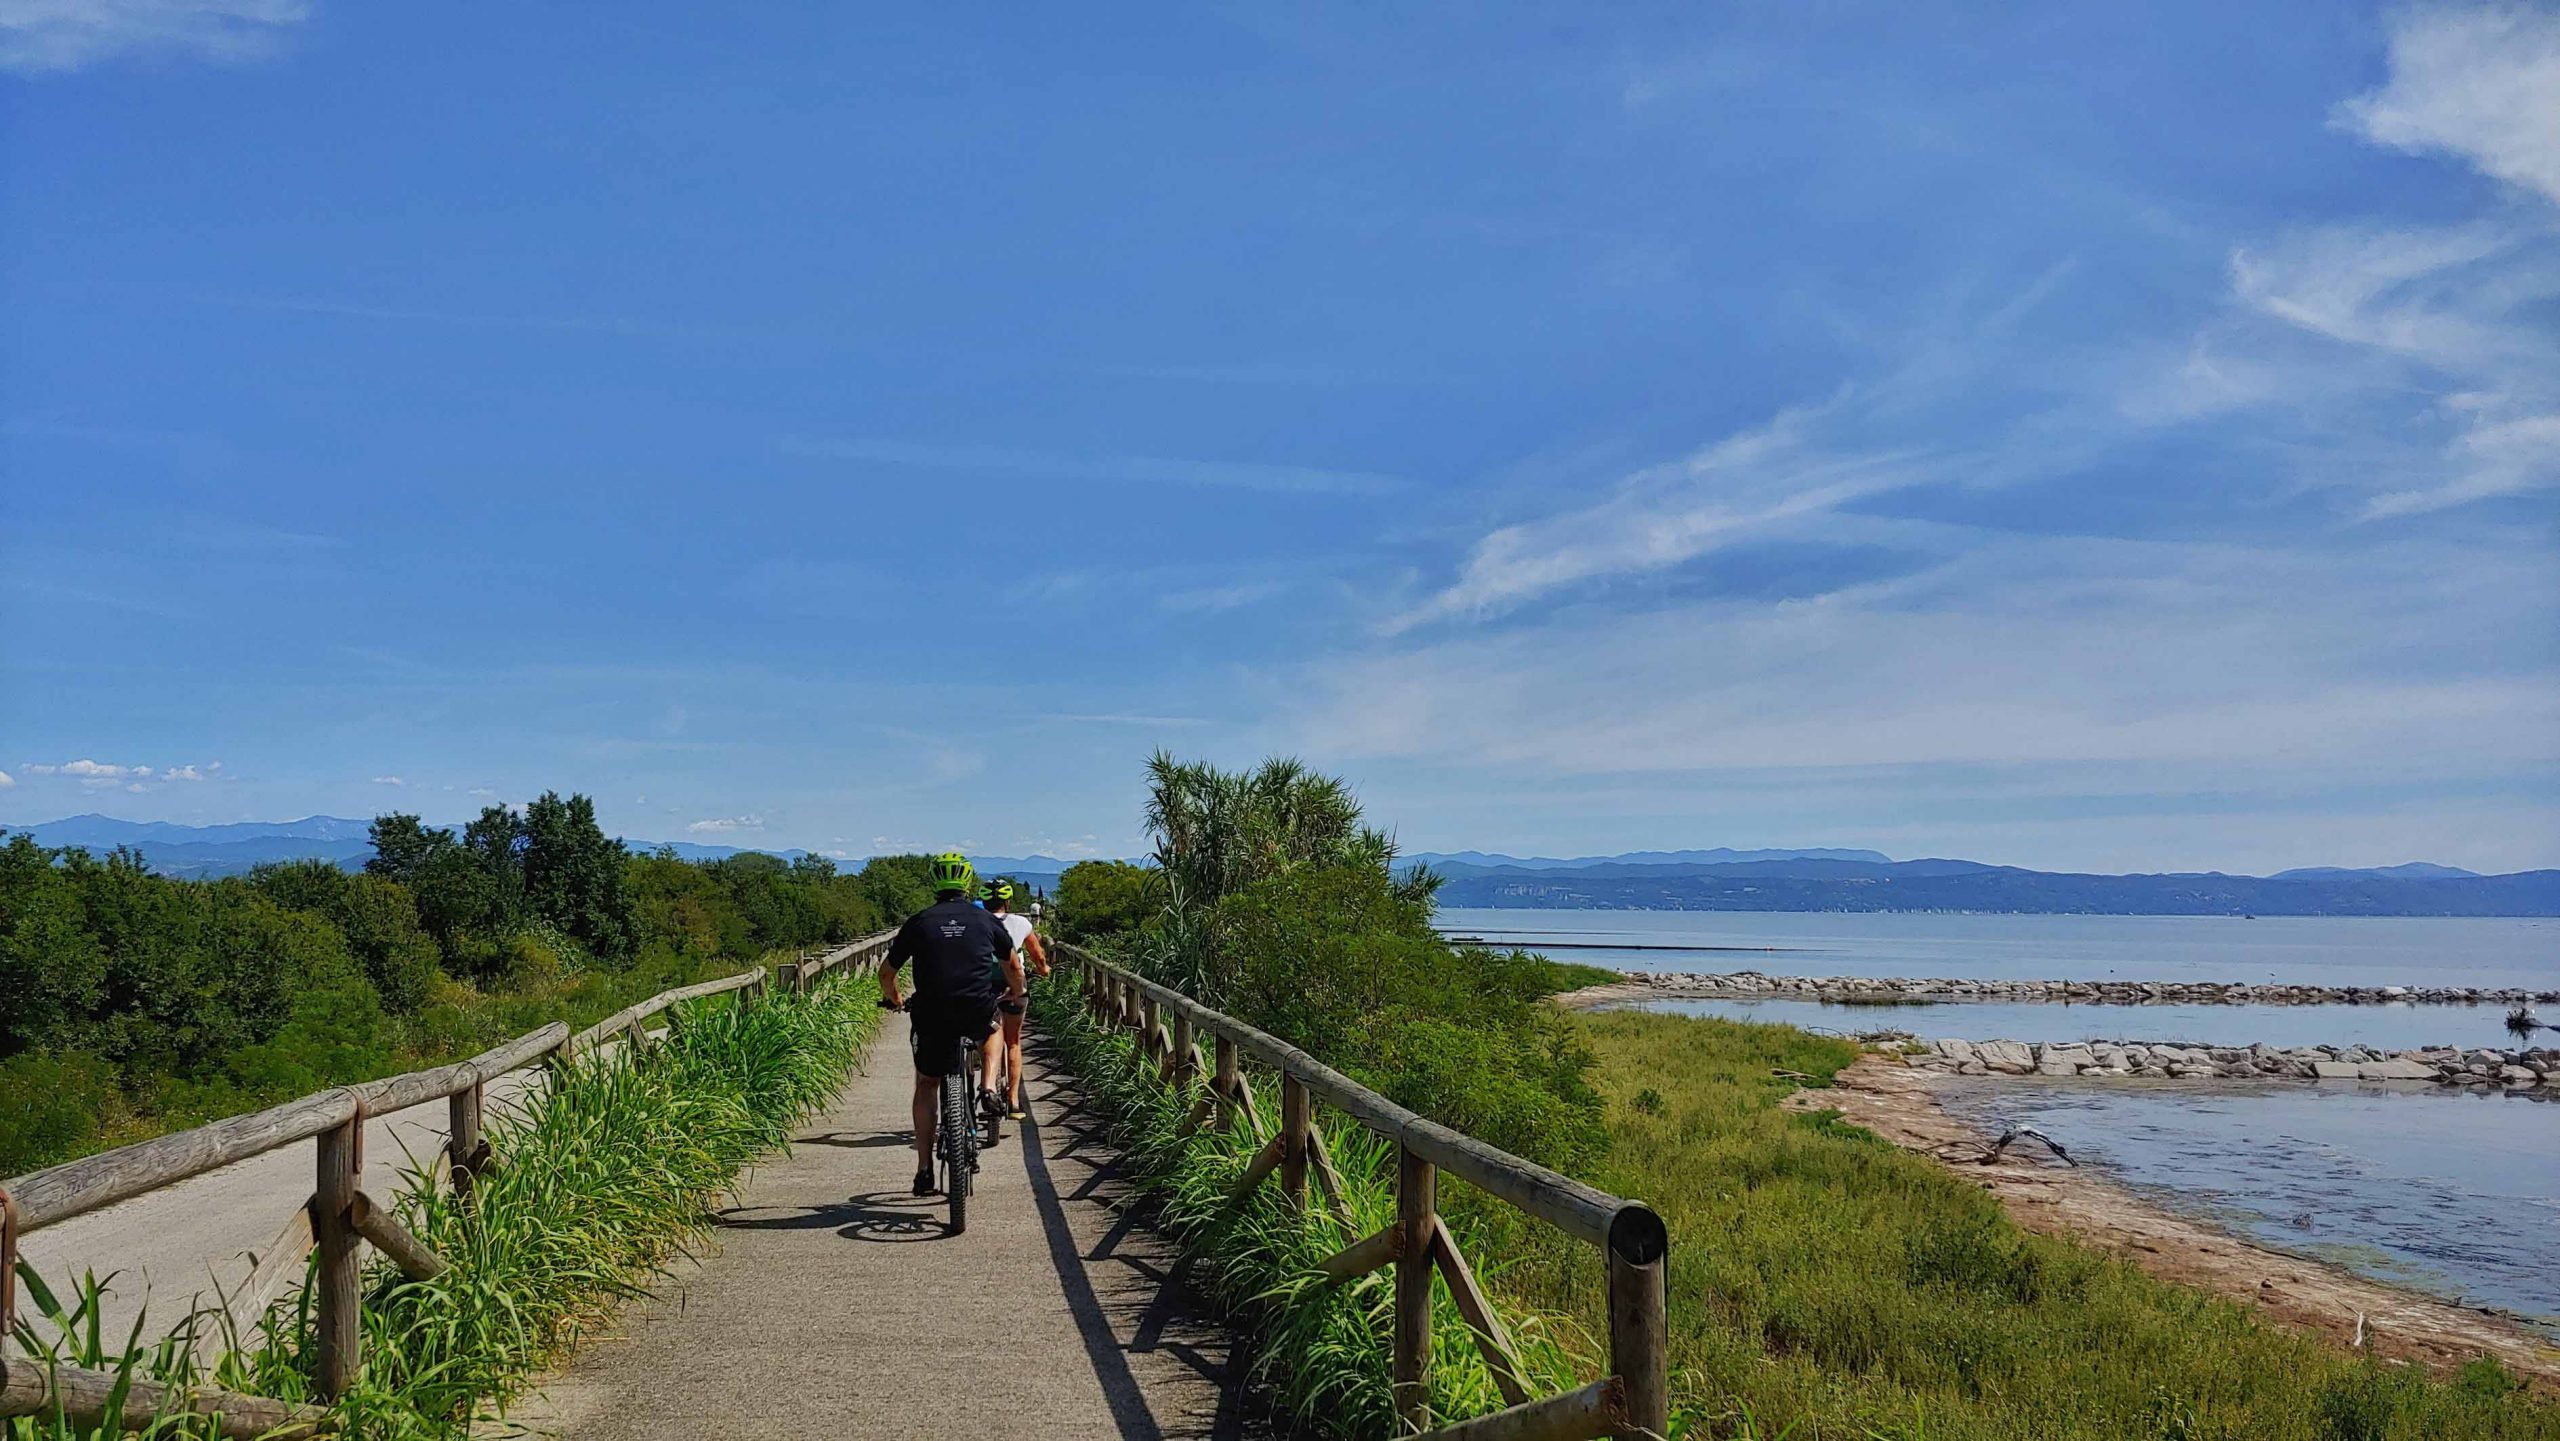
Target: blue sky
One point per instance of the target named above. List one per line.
(2085, 437)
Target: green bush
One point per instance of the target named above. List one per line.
(1338, 961)
(1101, 901)
(50, 1104)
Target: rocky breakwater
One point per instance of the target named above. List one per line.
(1867, 990)
(2443, 1066)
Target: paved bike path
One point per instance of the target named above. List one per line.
(835, 1304)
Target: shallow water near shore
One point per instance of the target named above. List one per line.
(2448, 1191)
(2302, 950)
(2389, 1028)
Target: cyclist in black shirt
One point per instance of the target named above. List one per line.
(966, 970)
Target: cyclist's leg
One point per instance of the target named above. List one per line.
(936, 1044)
(990, 1056)
(924, 1111)
(1012, 1063)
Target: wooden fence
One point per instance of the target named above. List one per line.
(337, 1217)
(1632, 1401)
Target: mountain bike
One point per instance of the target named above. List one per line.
(956, 1138)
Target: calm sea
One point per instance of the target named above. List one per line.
(2324, 950)
(2457, 1194)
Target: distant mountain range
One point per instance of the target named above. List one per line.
(1818, 879)
(1953, 885)
(1439, 860)
(206, 852)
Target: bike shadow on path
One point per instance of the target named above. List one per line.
(892, 1216)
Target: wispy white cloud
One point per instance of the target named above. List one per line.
(1140, 469)
(389, 781)
(7, 780)
(2481, 83)
(1125, 719)
(725, 824)
(2218, 662)
(53, 35)
(1667, 515)
(104, 775)
(1214, 598)
(2426, 352)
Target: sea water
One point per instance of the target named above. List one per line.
(2450, 1191)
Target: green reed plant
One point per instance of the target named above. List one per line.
(602, 1179)
(1320, 1353)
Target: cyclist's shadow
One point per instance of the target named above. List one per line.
(892, 1216)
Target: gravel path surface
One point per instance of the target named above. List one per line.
(168, 1252)
(835, 1304)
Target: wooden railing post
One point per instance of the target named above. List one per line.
(338, 1330)
(1293, 1139)
(1417, 1208)
(1147, 1027)
(1228, 1081)
(1639, 1349)
(8, 1261)
(1180, 1071)
(462, 1136)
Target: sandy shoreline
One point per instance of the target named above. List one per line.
(1900, 1104)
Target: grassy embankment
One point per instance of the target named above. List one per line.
(1825, 1284)
(1318, 1352)
(600, 1183)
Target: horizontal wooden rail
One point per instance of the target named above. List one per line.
(1583, 1212)
(30, 1387)
(623, 1020)
(1633, 1401)
(336, 1219)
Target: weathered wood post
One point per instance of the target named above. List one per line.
(1639, 1349)
(1417, 1206)
(462, 1135)
(1293, 1139)
(337, 1327)
(1147, 1027)
(8, 1261)
(1179, 1067)
(1229, 1080)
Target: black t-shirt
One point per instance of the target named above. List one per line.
(958, 952)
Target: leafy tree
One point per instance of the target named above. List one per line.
(377, 916)
(572, 875)
(1100, 900)
(899, 886)
(51, 967)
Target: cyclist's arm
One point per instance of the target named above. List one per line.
(1038, 952)
(898, 953)
(1011, 959)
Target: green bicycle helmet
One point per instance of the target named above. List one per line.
(1000, 891)
(952, 872)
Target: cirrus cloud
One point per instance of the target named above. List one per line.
(37, 36)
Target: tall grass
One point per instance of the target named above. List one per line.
(1318, 1353)
(1824, 1284)
(601, 1181)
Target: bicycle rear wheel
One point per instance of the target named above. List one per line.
(957, 1134)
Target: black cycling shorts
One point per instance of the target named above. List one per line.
(935, 1030)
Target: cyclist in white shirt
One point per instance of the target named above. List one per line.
(1027, 947)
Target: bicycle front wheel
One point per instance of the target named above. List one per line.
(957, 1133)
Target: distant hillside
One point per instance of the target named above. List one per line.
(1720, 855)
(207, 852)
(1718, 879)
(1943, 885)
